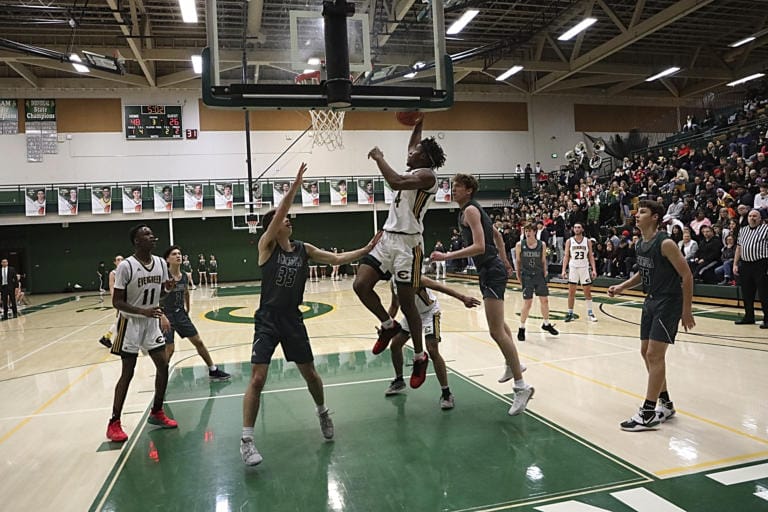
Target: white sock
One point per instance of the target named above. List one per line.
(522, 324)
(247, 433)
(589, 306)
(519, 384)
(212, 368)
(388, 323)
(321, 408)
(546, 322)
(418, 355)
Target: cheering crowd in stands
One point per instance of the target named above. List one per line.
(708, 189)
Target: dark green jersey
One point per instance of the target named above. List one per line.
(530, 259)
(186, 266)
(466, 234)
(659, 276)
(283, 278)
(174, 300)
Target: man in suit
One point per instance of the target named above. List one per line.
(8, 282)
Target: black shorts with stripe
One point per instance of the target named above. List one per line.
(180, 323)
(274, 327)
(661, 318)
(493, 279)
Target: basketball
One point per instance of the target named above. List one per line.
(409, 118)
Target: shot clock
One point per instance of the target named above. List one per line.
(153, 122)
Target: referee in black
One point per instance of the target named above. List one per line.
(751, 264)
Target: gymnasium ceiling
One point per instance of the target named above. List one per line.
(632, 40)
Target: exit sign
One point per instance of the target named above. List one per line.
(191, 134)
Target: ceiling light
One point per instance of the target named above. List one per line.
(197, 64)
(75, 59)
(742, 42)
(313, 61)
(462, 22)
(666, 72)
(580, 27)
(410, 75)
(745, 79)
(508, 73)
(188, 11)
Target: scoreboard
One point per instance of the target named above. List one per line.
(153, 122)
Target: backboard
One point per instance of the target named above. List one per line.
(371, 56)
(247, 215)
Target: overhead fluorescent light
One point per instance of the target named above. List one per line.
(74, 59)
(197, 64)
(462, 22)
(666, 72)
(313, 61)
(410, 75)
(188, 11)
(508, 73)
(742, 42)
(745, 79)
(580, 27)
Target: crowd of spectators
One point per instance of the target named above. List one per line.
(708, 188)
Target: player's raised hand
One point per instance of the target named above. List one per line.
(300, 174)
(375, 153)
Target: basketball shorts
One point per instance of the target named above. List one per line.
(493, 279)
(135, 333)
(661, 318)
(180, 323)
(285, 328)
(579, 275)
(430, 324)
(534, 283)
(397, 255)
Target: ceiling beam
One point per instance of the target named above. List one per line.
(586, 81)
(187, 75)
(670, 87)
(555, 47)
(254, 21)
(580, 37)
(509, 82)
(459, 75)
(148, 68)
(25, 73)
(134, 80)
(401, 8)
(638, 12)
(615, 19)
(623, 86)
(660, 20)
(706, 85)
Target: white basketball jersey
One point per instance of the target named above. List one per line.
(579, 253)
(406, 213)
(142, 284)
(426, 301)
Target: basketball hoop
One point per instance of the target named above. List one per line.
(327, 125)
(253, 224)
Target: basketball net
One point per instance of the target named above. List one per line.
(253, 226)
(327, 125)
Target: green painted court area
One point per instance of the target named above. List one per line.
(399, 453)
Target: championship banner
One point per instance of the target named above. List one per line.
(222, 196)
(40, 110)
(193, 197)
(35, 202)
(389, 194)
(443, 194)
(365, 191)
(9, 117)
(67, 201)
(279, 189)
(101, 200)
(310, 194)
(163, 197)
(132, 199)
(339, 193)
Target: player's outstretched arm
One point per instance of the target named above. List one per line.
(341, 258)
(630, 283)
(416, 134)
(468, 301)
(472, 218)
(282, 210)
(423, 178)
